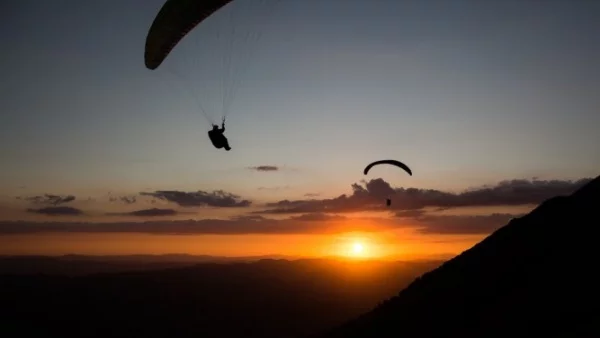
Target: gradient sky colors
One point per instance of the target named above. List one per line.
(493, 105)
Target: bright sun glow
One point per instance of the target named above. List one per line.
(358, 248)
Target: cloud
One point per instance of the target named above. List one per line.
(285, 187)
(207, 226)
(410, 213)
(218, 198)
(249, 218)
(312, 195)
(318, 217)
(472, 225)
(57, 211)
(264, 168)
(320, 223)
(409, 206)
(132, 199)
(372, 195)
(128, 199)
(153, 212)
(49, 199)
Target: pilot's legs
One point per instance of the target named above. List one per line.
(226, 145)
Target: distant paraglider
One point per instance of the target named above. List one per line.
(399, 164)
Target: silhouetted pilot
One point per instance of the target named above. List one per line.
(217, 138)
(388, 202)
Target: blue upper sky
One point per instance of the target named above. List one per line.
(465, 92)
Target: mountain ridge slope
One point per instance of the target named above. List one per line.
(535, 275)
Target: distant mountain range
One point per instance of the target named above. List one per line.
(75, 265)
(62, 297)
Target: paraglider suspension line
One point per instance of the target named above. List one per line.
(191, 93)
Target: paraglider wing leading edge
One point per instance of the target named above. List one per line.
(392, 162)
(173, 22)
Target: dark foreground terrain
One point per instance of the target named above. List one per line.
(67, 297)
(535, 277)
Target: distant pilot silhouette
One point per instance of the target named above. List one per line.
(388, 202)
(217, 137)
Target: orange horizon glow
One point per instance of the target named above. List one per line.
(351, 245)
(361, 236)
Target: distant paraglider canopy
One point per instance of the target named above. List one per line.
(388, 201)
(392, 162)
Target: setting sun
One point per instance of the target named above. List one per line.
(357, 248)
(361, 246)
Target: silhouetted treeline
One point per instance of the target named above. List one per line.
(268, 298)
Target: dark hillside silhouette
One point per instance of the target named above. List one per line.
(266, 298)
(536, 276)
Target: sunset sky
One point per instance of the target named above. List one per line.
(494, 105)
